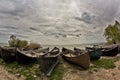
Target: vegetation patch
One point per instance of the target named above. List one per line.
(58, 72)
(31, 71)
(112, 33)
(104, 63)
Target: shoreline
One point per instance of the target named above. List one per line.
(70, 46)
(70, 72)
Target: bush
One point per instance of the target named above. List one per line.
(15, 42)
(112, 33)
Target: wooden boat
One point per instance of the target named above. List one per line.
(8, 54)
(118, 48)
(0, 51)
(93, 48)
(112, 51)
(95, 54)
(29, 56)
(89, 48)
(77, 57)
(78, 50)
(49, 61)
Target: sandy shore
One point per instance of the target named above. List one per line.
(99, 74)
(5, 75)
(74, 74)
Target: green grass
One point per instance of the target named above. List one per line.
(58, 72)
(104, 63)
(29, 70)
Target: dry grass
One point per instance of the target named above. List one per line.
(33, 46)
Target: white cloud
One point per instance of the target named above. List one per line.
(59, 15)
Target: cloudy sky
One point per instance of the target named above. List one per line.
(62, 20)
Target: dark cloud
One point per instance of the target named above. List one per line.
(15, 7)
(12, 13)
(105, 11)
(45, 15)
(92, 12)
(86, 17)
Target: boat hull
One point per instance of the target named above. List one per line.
(8, 54)
(48, 64)
(49, 61)
(95, 54)
(0, 52)
(82, 60)
(110, 52)
(21, 58)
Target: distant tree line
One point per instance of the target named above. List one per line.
(112, 33)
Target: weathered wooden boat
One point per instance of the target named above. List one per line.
(112, 51)
(95, 54)
(119, 48)
(0, 51)
(8, 53)
(49, 61)
(89, 48)
(29, 56)
(77, 57)
(78, 50)
(94, 47)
